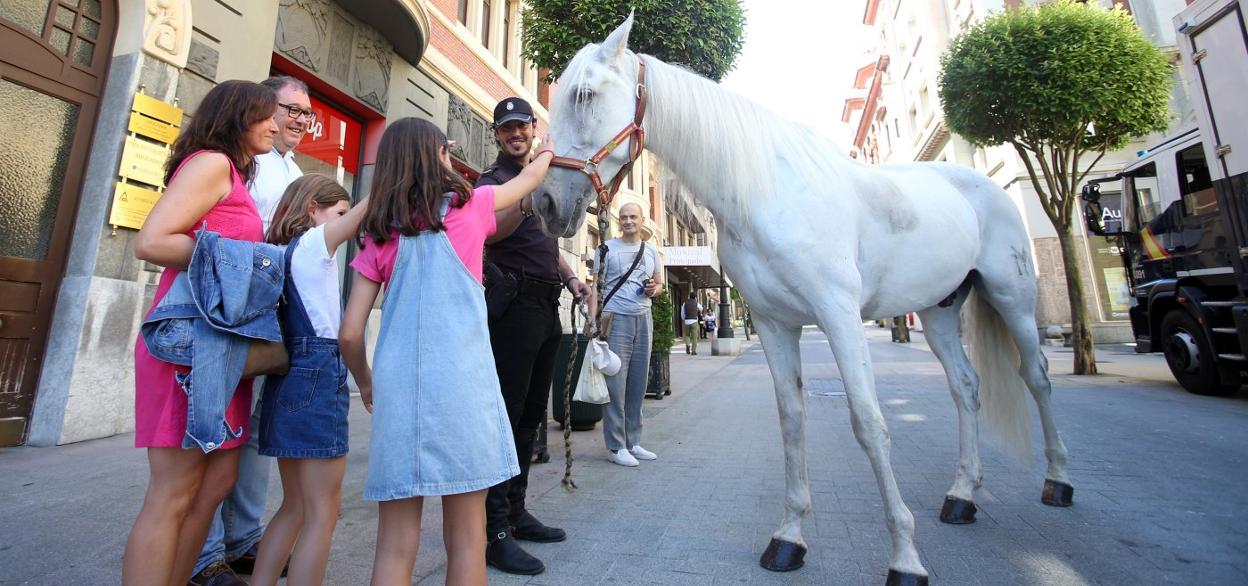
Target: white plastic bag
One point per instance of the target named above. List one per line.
(606, 361)
(592, 385)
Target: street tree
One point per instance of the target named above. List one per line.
(1063, 83)
(703, 35)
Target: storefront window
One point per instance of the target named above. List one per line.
(331, 146)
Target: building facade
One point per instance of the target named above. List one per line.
(894, 113)
(75, 136)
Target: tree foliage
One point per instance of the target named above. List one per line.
(1057, 82)
(661, 312)
(703, 35)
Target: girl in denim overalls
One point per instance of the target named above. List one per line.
(303, 415)
(439, 426)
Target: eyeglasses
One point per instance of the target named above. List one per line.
(295, 112)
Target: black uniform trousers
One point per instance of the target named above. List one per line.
(525, 340)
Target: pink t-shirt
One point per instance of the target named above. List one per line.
(466, 227)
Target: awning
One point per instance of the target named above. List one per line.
(698, 265)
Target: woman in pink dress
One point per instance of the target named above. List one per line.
(206, 179)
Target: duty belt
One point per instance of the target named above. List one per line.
(531, 287)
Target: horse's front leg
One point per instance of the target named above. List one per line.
(780, 343)
(843, 326)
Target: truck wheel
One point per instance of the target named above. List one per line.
(1190, 356)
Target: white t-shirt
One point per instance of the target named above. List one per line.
(274, 173)
(315, 272)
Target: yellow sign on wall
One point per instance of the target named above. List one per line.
(149, 106)
(143, 161)
(131, 205)
(152, 128)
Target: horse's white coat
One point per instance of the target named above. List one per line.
(810, 236)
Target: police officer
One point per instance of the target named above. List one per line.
(524, 334)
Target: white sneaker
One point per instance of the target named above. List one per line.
(642, 454)
(621, 457)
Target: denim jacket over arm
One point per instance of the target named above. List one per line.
(227, 297)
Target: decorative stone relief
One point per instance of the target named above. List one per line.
(302, 26)
(371, 79)
(167, 30)
(203, 60)
(474, 141)
(458, 122)
(341, 39)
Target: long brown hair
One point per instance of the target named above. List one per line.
(221, 122)
(409, 180)
(291, 217)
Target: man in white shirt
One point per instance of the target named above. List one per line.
(236, 529)
(276, 169)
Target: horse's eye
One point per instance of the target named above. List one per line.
(584, 94)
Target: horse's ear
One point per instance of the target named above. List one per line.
(613, 48)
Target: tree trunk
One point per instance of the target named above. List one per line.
(1085, 352)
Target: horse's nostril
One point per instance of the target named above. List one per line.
(546, 205)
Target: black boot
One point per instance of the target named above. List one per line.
(528, 528)
(505, 554)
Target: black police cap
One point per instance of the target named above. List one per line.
(512, 109)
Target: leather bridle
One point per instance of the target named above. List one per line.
(636, 143)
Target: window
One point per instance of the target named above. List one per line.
(485, 23)
(507, 35)
(1195, 183)
(1142, 185)
(461, 12)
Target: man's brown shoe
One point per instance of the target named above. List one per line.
(216, 574)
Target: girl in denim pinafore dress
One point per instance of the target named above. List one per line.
(303, 415)
(439, 425)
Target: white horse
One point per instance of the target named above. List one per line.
(810, 236)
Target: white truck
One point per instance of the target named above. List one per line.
(1184, 227)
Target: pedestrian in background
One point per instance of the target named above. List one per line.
(303, 419)
(708, 321)
(206, 178)
(691, 315)
(439, 423)
(230, 548)
(632, 275)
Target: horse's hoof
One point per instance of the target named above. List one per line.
(1057, 494)
(782, 556)
(958, 511)
(896, 578)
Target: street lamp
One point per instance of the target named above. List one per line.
(725, 323)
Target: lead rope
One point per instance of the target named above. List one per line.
(604, 224)
(568, 484)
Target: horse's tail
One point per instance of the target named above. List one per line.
(1002, 392)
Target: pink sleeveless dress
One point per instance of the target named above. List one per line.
(159, 401)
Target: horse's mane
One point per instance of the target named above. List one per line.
(726, 148)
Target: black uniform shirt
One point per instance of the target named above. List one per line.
(528, 251)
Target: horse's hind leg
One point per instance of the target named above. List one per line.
(780, 343)
(940, 329)
(841, 322)
(1015, 300)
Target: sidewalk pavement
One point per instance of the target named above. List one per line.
(1158, 476)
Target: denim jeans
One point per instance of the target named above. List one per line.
(236, 525)
(630, 339)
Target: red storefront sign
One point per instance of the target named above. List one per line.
(334, 138)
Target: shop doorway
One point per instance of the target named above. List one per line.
(53, 60)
